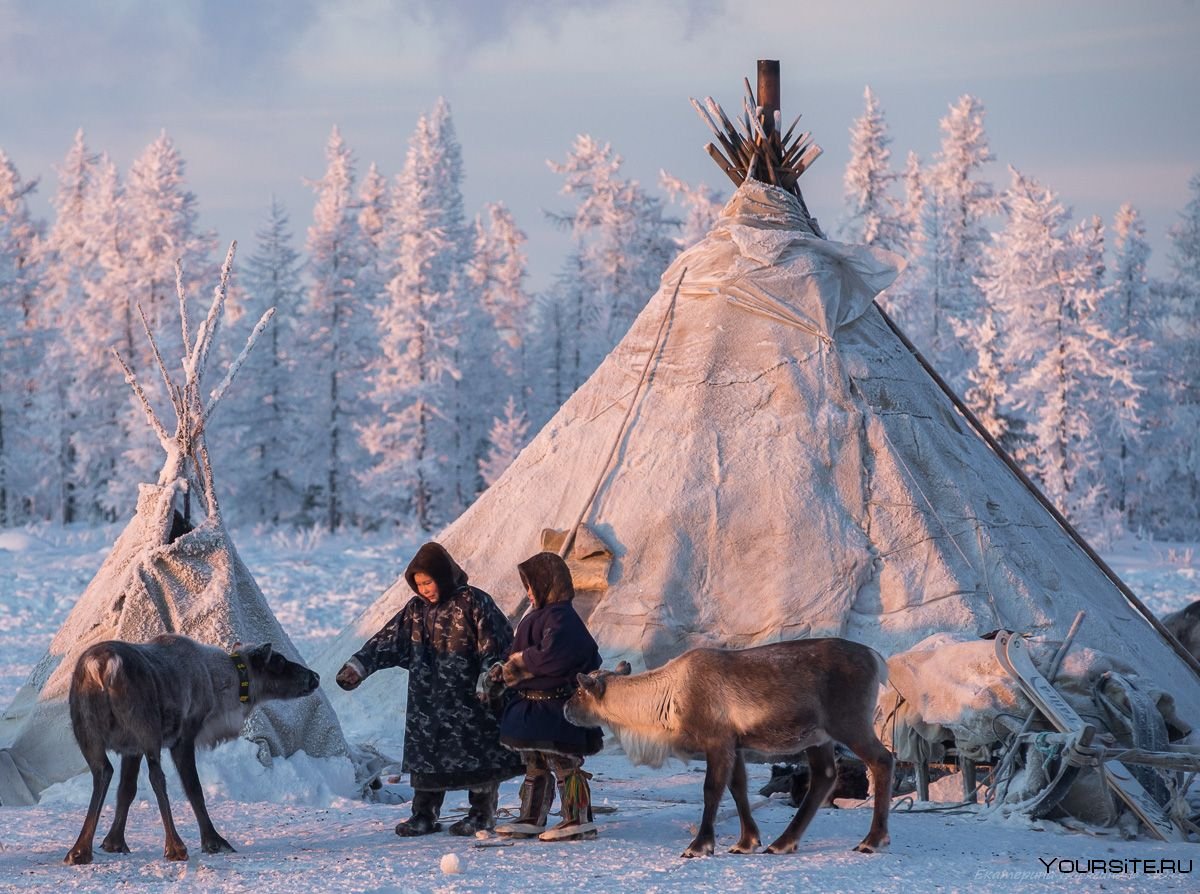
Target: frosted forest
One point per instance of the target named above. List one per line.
(409, 362)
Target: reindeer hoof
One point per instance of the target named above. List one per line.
(217, 845)
(114, 845)
(699, 848)
(781, 847)
(745, 847)
(76, 857)
(868, 847)
(175, 854)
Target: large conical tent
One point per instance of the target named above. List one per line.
(162, 576)
(789, 469)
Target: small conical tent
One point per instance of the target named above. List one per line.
(789, 470)
(162, 576)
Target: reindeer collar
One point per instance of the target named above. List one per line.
(243, 676)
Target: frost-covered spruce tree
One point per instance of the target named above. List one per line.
(509, 435)
(872, 213)
(70, 259)
(1022, 283)
(1180, 352)
(987, 389)
(159, 228)
(1104, 392)
(1131, 321)
(374, 211)
(431, 190)
(497, 271)
(1047, 278)
(98, 397)
(415, 437)
(552, 361)
(340, 332)
(24, 437)
(69, 255)
(565, 317)
(703, 207)
(907, 299)
(623, 238)
(266, 435)
(956, 207)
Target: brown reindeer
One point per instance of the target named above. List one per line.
(175, 693)
(778, 699)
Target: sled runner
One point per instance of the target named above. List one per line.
(1013, 656)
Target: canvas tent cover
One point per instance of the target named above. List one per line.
(790, 470)
(196, 585)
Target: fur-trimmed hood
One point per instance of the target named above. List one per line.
(432, 559)
(547, 575)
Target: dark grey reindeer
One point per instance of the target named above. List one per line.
(778, 699)
(174, 693)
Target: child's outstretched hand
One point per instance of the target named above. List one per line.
(348, 677)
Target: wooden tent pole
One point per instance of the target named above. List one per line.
(574, 529)
(1188, 658)
(768, 93)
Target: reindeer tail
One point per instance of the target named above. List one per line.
(98, 668)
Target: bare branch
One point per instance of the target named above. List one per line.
(183, 314)
(162, 367)
(133, 383)
(208, 329)
(206, 477)
(219, 391)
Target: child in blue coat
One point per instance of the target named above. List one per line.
(550, 647)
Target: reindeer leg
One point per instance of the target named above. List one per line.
(823, 763)
(174, 849)
(749, 840)
(184, 755)
(879, 761)
(716, 778)
(114, 841)
(102, 772)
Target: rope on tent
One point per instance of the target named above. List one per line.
(932, 511)
(1187, 657)
(758, 301)
(987, 579)
(573, 530)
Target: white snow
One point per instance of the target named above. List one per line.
(16, 541)
(294, 832)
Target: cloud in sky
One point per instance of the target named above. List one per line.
(249, 90)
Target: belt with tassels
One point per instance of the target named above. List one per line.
(545, 695)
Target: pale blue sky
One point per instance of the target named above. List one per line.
(1096, 99)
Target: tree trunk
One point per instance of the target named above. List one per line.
(334, 519)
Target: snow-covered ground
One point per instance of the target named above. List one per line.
(295, 828)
